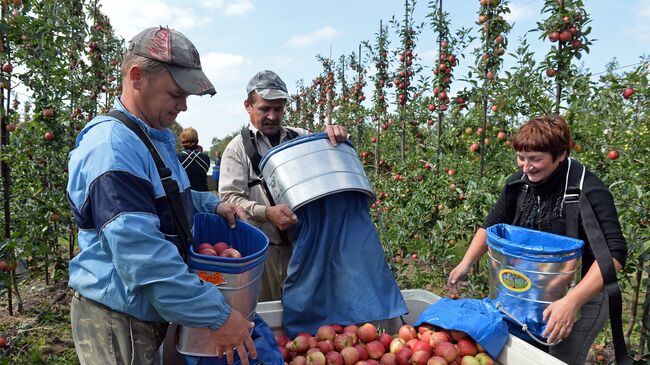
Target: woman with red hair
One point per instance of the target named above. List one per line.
(542, 148)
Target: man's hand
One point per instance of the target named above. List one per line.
(228, 211)
(281, 216)
(233, 336)
(336, 133)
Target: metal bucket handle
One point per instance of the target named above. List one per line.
(524, 327)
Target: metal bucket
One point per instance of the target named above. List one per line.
(310, 167)
(238, 279)
(530, 269)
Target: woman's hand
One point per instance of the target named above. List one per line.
(561, 316)
(457, 277)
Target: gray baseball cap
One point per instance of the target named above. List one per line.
(268, 85)
(178, 55)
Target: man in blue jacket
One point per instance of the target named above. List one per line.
(129, 279)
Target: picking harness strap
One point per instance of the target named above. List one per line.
(171, 187)
(248, 138)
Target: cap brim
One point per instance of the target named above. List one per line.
(272, 94)
(192, 80)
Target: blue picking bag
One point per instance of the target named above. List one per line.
(338, 271)
(478, 318)
(529, 270)
(267, 349)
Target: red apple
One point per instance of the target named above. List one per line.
(49, 136)
(298, 360)
(396, 345)
(420, 357)
(333, 358)
(300, 344)
(423, 345)
(447, 350)
(613, 155)
(466, 346)
(502, 136)
(550, 72)
(553, 36)
(389, 359)
(315, 358)
(219, 247)
(231, 252)
(11, 127)
(7, 67)
(439, 337)
(363, 353)
(326, 332)
(326, 346)
(499, 39)
(367, 332)
(407, 332)
(474, 147)
(204, 245)
(207, 252)
(627, 93)
(342, 341)
(457, 335)
(4, 266)
(403, 356)
(281, 340)
(385, 340)
(437, 360)
(350, 355)
(375, 349)
(565, 36)
(47, 113)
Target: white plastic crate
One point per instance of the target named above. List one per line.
(515, 352)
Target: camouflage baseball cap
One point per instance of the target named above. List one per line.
(268, 85)
(177, 53)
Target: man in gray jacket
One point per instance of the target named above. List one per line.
(239, 183)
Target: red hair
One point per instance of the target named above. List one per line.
(546, 133)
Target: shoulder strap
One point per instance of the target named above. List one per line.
(251, 150)
(521, 188)
(604, 259)
(171, 187)
(573, 183)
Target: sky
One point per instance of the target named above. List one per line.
(238, 38)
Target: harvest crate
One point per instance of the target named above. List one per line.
(516, 351)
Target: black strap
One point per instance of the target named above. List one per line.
(251, 151)
(171, 187)
(520, 189)
(604, 259)
(191, 157)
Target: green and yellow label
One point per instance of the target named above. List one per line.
(514, 280)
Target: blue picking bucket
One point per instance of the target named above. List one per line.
(529, 270)
(238, 279)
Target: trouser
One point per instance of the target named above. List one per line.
(275, 271)
(103, 336)
(593, 317)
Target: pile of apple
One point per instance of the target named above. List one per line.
(222, 249)
(364, 345)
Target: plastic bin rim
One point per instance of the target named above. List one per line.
(294, 142)
(494, 239)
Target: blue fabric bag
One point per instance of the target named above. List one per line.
(267, 350)
(338, 271)
(478, 318)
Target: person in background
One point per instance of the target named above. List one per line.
(240, 184)
(129, 279)
(542, 148)
(195, 162)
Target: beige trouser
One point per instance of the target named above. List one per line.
(275, 271)
(103, 336)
